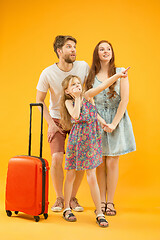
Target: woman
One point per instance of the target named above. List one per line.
(117, 137)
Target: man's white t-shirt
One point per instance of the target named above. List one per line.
(51, 79)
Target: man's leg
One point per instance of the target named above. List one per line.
(57, 151)
(57, 173)
(57, 179)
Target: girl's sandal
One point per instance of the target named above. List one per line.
(109, 211)
(68, 217)
(100, 218)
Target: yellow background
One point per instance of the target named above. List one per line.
(28, 29)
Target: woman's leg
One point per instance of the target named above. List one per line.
(95, 193)
(68, 186)
(102, 182)
(112, 164)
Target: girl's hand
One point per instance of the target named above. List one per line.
(77, 92)
(109, 127)
(124, 73)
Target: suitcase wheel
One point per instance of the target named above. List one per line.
(16, 212)
(45, 215)
(36, 218)
(9, 213)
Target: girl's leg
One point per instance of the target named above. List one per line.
(78, 179)
(95, 193)
(68, 186)
(112, 164)
(102, 182)
(74, 201)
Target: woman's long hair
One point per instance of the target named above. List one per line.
(96, 66)
(65, 116)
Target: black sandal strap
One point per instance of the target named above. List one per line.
(71, 215)
(100, 220)
(64, 212)
(109, 203)
(110, 210)
(68, 215)
(103, 207)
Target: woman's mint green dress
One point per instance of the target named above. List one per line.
(121, 140)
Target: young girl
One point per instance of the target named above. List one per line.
(118, 137)
(84, 150)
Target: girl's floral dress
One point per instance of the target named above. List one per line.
(84, 147)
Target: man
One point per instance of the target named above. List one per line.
(50, 79)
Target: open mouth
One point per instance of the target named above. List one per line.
(106, 55)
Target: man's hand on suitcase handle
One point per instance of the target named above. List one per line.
(52, 129)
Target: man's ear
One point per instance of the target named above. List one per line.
(59, 51)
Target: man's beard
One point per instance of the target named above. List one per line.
(69, 60)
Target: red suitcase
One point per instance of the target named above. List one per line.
(27, 181)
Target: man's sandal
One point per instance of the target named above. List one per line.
(74, 205)
(100, 218)
(109, 211)
(58, 205)
(68, 217)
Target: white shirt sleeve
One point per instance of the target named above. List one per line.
(87, 69)
(43, 84)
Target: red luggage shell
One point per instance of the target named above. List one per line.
(24, 185)
(27, 180)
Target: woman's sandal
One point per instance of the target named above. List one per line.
(68, 216)
(109, 211)
(103, 208)
(101, 220)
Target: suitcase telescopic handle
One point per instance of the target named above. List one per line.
(30, 125)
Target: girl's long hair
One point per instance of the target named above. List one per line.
(96, 66)
(65, 116)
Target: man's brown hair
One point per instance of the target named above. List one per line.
(60, 41)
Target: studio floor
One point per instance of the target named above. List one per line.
(135, 220)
